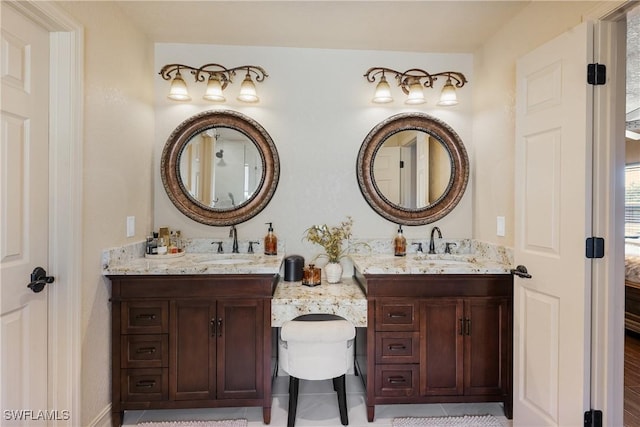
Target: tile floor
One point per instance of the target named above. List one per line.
(318, 407)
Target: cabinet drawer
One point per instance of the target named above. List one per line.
(397, 380)
(397, 347)
(145, 317)
(396, 316)
(144, 351)
(139, 385)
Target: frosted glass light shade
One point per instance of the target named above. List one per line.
(178, 90)
(448, 96)
(416, 94)
(248, 90)
(214, 90)
(383, 92)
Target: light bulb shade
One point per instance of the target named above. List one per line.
(416, 94)
(248, 90)
(178, 90)
(448, 96)
(214, 90)
(383, 92)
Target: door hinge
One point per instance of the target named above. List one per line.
(596, 74)
(593, 418)
(595, 247)
(401, 164)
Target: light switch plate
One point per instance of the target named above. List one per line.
(131, 226)
(500, 227)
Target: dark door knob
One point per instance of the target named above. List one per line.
(521, 271)
(39, 279)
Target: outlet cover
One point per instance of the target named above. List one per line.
(131, 226)
(500, 226)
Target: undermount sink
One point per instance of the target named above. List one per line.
(226, 261)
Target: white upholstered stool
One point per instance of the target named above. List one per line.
(316, 347)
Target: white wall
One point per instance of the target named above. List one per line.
(118, 161)
(316, 106)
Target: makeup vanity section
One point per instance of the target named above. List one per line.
(196, 331)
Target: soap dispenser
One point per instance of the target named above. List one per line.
(400, 243)
(270, 241)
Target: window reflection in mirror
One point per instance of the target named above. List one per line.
(220, 168)
(412, 169)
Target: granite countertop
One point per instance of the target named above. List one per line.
(346, 299)
(198, 263)
(418, 263)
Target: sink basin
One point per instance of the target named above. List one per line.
(226, 261)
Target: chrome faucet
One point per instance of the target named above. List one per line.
(432, 246)
(234, 233)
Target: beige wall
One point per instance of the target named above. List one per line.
(494, 109)
(118, 157)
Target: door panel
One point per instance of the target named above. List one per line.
(553, 218)
(192, 350)
(24, 215)
(240, 343)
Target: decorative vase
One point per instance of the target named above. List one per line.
(333, 272)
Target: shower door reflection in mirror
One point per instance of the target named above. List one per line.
(220, 168)
(412, 169)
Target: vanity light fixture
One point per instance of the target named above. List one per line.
(217, 77)
(412, 82)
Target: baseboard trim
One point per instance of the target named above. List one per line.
(103, 419)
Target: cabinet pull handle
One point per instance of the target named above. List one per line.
(394, 347)
(461, 330)
(149, 350)
(468, 327)
(213, 327)
(396, 380)
(146, 316)
(146, 383)
(397, 315)
(220, 327)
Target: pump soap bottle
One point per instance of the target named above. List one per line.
(270, 241)
(400, 243)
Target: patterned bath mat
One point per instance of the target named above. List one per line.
(464, 421)
(217, 423)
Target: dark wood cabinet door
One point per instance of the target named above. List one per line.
(241, 335)
(192, 373)
(486, 346)
(441, 329)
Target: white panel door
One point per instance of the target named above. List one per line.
(386, 169)
(552, 309)
(24, 197)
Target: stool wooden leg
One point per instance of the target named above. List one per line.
(293, 400)
(339, 384)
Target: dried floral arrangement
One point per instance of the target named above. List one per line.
(330, 238)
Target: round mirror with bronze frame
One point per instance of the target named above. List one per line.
(421, 127)
(178, 156)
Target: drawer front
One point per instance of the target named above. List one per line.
(145, 317)
(141, 385)
(396, 316)
(397, 380)
(144, 351)
(397, 347)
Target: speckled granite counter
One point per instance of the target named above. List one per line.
(428, 264)
(198, 263)
(292, 299)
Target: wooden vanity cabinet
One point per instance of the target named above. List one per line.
(191, 342)
(438, 339)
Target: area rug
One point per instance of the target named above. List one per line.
(215, 423)
(463, 421)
